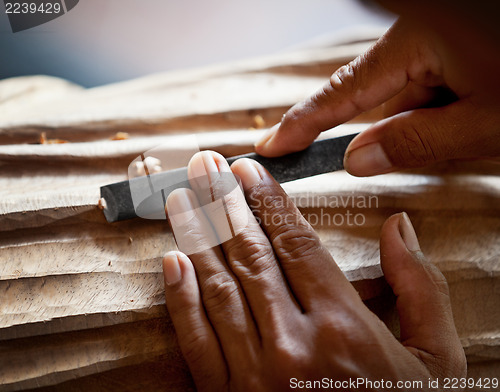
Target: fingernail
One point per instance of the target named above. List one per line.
(171, 268)
(180, 207)
(267, 136)
(248, 172)
(408, 233)
(215, 162)
(208, 164)
(367, 160)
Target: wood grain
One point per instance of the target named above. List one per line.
(82, 304)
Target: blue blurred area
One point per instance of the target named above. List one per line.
(105, 41)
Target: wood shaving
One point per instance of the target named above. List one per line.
(44, 140)
(101, 204)
(120, 136)
(152, 164)
(258, 122)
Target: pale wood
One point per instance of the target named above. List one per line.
(64, 179)
(440, 224)
(214, 98)
(138, 342)
(82, 300)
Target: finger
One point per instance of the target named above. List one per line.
(246, 248)
(196, 337)
(364, 83)
(313, 276)
(423, 302)
(223, 299)
(425, 136)
(192, 230)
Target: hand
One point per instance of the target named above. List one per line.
(269, 307)
(440, 90)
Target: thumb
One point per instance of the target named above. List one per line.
(464, 129)
(423, 303)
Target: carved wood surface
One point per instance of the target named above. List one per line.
(81, 300)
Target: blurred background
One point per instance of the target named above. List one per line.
(104, 41)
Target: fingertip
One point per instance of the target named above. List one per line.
(284, 138)
(214, 162)
(404, 265)
(265, 142)
(181, 206)
(390, 237)
(172, 267)
(395, 256)
(206, 163)
(177, 255)
(196, 166)
(178, 194)
(398, 233)
(407, 232)
(368, 160)
(391, 223)
(249, 171)
(365, 155)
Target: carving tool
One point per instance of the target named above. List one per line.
(149, 192)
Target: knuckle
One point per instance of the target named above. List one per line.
(218, 291)
(253, 255)
(344, 84)
(413, 146)
(344, 79)
(295, 242)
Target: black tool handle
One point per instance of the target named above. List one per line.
(323, 156)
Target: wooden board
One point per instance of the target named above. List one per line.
(82, 300)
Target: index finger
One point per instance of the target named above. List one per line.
(364, 83)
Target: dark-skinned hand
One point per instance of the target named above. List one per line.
(435, 72)
(269, 306)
